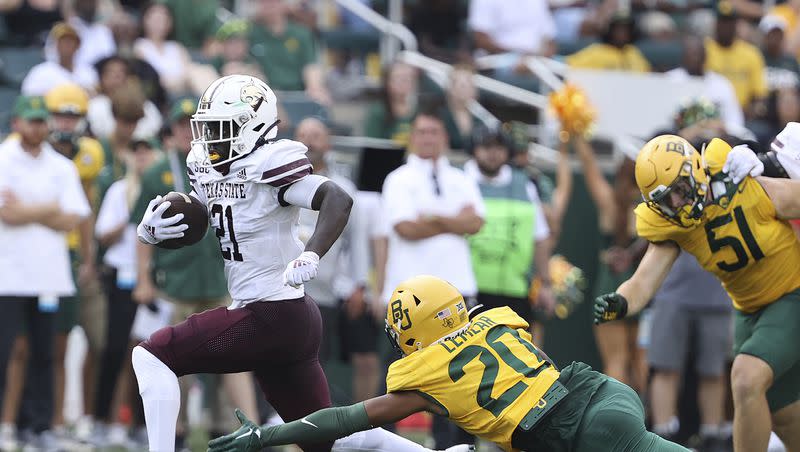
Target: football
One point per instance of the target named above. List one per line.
(195, 215)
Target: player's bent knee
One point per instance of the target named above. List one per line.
(152, 374)
(750, 376)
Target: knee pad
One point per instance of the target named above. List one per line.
(153, 374)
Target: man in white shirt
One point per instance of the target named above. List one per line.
(97, 37)
(41, 199)
(63, 68)
(430, 207)
(522, 27)
(718, 88)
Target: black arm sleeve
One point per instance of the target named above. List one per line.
(772, 167)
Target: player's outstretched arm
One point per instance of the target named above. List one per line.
(633, 294)
(323, 425)
(785, 196)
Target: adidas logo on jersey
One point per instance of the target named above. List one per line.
(242, 174)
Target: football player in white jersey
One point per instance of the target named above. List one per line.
(254, 187)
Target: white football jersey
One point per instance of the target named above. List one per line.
(258, 236)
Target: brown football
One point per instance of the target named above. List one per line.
(195, 214)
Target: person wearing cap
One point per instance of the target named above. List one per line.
(783, 71)
(515, 234)
(737, 60)
(67, 104)
(41, 199)
(616, 52)
(235, 57)
(192, 277)
(46, 75)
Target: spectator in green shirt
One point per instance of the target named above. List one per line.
(391, 117)
(286, 51)
(235, 57)
(195, 21)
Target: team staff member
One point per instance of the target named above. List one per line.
(739, 232)
(34, 257)
(193, 277)
(523, 404)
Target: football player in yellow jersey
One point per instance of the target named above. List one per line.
(484, 373)
(739, 232)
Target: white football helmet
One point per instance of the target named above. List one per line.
(236, 115)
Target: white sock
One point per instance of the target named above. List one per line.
(161, 397)
(376, 439)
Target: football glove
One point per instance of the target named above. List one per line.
(611, 306)
(302, 269)
(741, 162)
(246, 439)
(154, 228)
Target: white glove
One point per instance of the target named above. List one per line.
(787, 149)
(301, 270)
(154, 228)
(741, 162)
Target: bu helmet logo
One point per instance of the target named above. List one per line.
(400, 315)
(676, 146)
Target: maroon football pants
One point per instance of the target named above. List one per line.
(277, 340)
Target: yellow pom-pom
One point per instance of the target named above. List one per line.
(572, 108)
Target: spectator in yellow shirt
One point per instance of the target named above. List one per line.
(737, 60)
(616, 52)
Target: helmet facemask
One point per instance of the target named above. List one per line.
(236, 115)
(686, 187)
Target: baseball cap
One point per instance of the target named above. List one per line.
(232, 29)
(63, 29)
(771, 22)
(30, 107)
(725, 10)
(183, 107)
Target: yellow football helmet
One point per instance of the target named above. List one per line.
(67, 98)
(422, 311)
(668, 168)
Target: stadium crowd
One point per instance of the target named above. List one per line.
(112, 85)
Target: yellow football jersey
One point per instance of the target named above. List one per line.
(487, 379)
(89, 161)
(755, 254)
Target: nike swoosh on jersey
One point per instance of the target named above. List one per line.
(304, 421)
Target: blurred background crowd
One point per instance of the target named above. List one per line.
(433, 114)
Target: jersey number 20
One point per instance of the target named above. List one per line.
(216, 209)
(491, 366)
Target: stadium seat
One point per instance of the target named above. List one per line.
(7, 97)
(298, 106)
(662, 55)
(570, 47)
(18, 61)
(354, 41)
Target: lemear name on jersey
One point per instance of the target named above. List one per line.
(487, 378)
(452, 344)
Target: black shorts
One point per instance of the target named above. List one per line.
(521, 306)
(359, 335)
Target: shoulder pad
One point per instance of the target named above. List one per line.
(284, 162)
(653, 227)
(715, 155)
